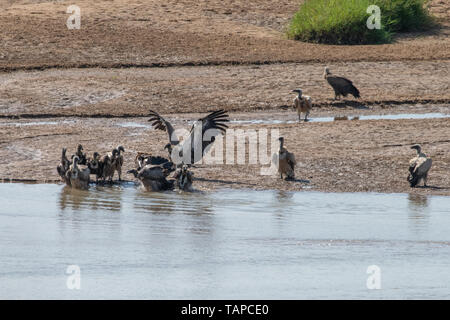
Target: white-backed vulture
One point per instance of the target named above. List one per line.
(303, 104)
(184, 179)
(63, 166)
(108, 164)
(95, 165)
(286, 161)
(118, 163)
(152, 178)
(340, 85)
(419, 167)
(215, 120)
(78, 176)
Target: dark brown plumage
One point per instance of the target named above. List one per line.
(340, 85)
(63, 166)
(213, 121)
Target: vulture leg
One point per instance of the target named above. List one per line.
(119, 172)
(306, 116)
(425, 177)
(299, 116)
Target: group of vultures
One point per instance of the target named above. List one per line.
(153, 171)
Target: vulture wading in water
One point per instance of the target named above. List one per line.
(153, 178)
(63, 166)
(143, 159)
(95, 166)
(340, 85)
(118, 163)
(303, 104)
(184, 179)
(419, 167)
(78, 177)
(213, 125)
(109, 165)
(286, 161)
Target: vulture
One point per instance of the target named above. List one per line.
(143, 159)
(341, 86)
(109, 165)
(419, 167)
(118, 163)
(78, 177)
(184, 179)
(215, 120)
(82, 156)
(153, 178)
(303, 104)
(286, 161)
(95, 166)
(63, 166)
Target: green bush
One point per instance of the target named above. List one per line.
(345, 21)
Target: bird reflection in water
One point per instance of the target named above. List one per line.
(418, 211)
(100, 199)
(172, 202)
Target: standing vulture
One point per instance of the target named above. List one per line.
(108, 163)
(286, 161)
(419, 167)
(63, 166)
(118, 163)
(303, 104)
(194, 142)
(184, 179)
(78, 177)
(95, 166)
(341, 86)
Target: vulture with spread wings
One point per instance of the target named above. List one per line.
(202, 134)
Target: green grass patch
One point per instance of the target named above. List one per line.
(345, 21)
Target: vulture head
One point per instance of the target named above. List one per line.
(120, 149)
(417, 147)
(168, 147)
(96, 155)
(299, 91)
(281, 139)
(326, 72)
(79, 148)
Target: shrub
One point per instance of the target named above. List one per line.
(345, 21)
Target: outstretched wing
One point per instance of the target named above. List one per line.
(214, 121)
(156, 160)
(160, 123)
